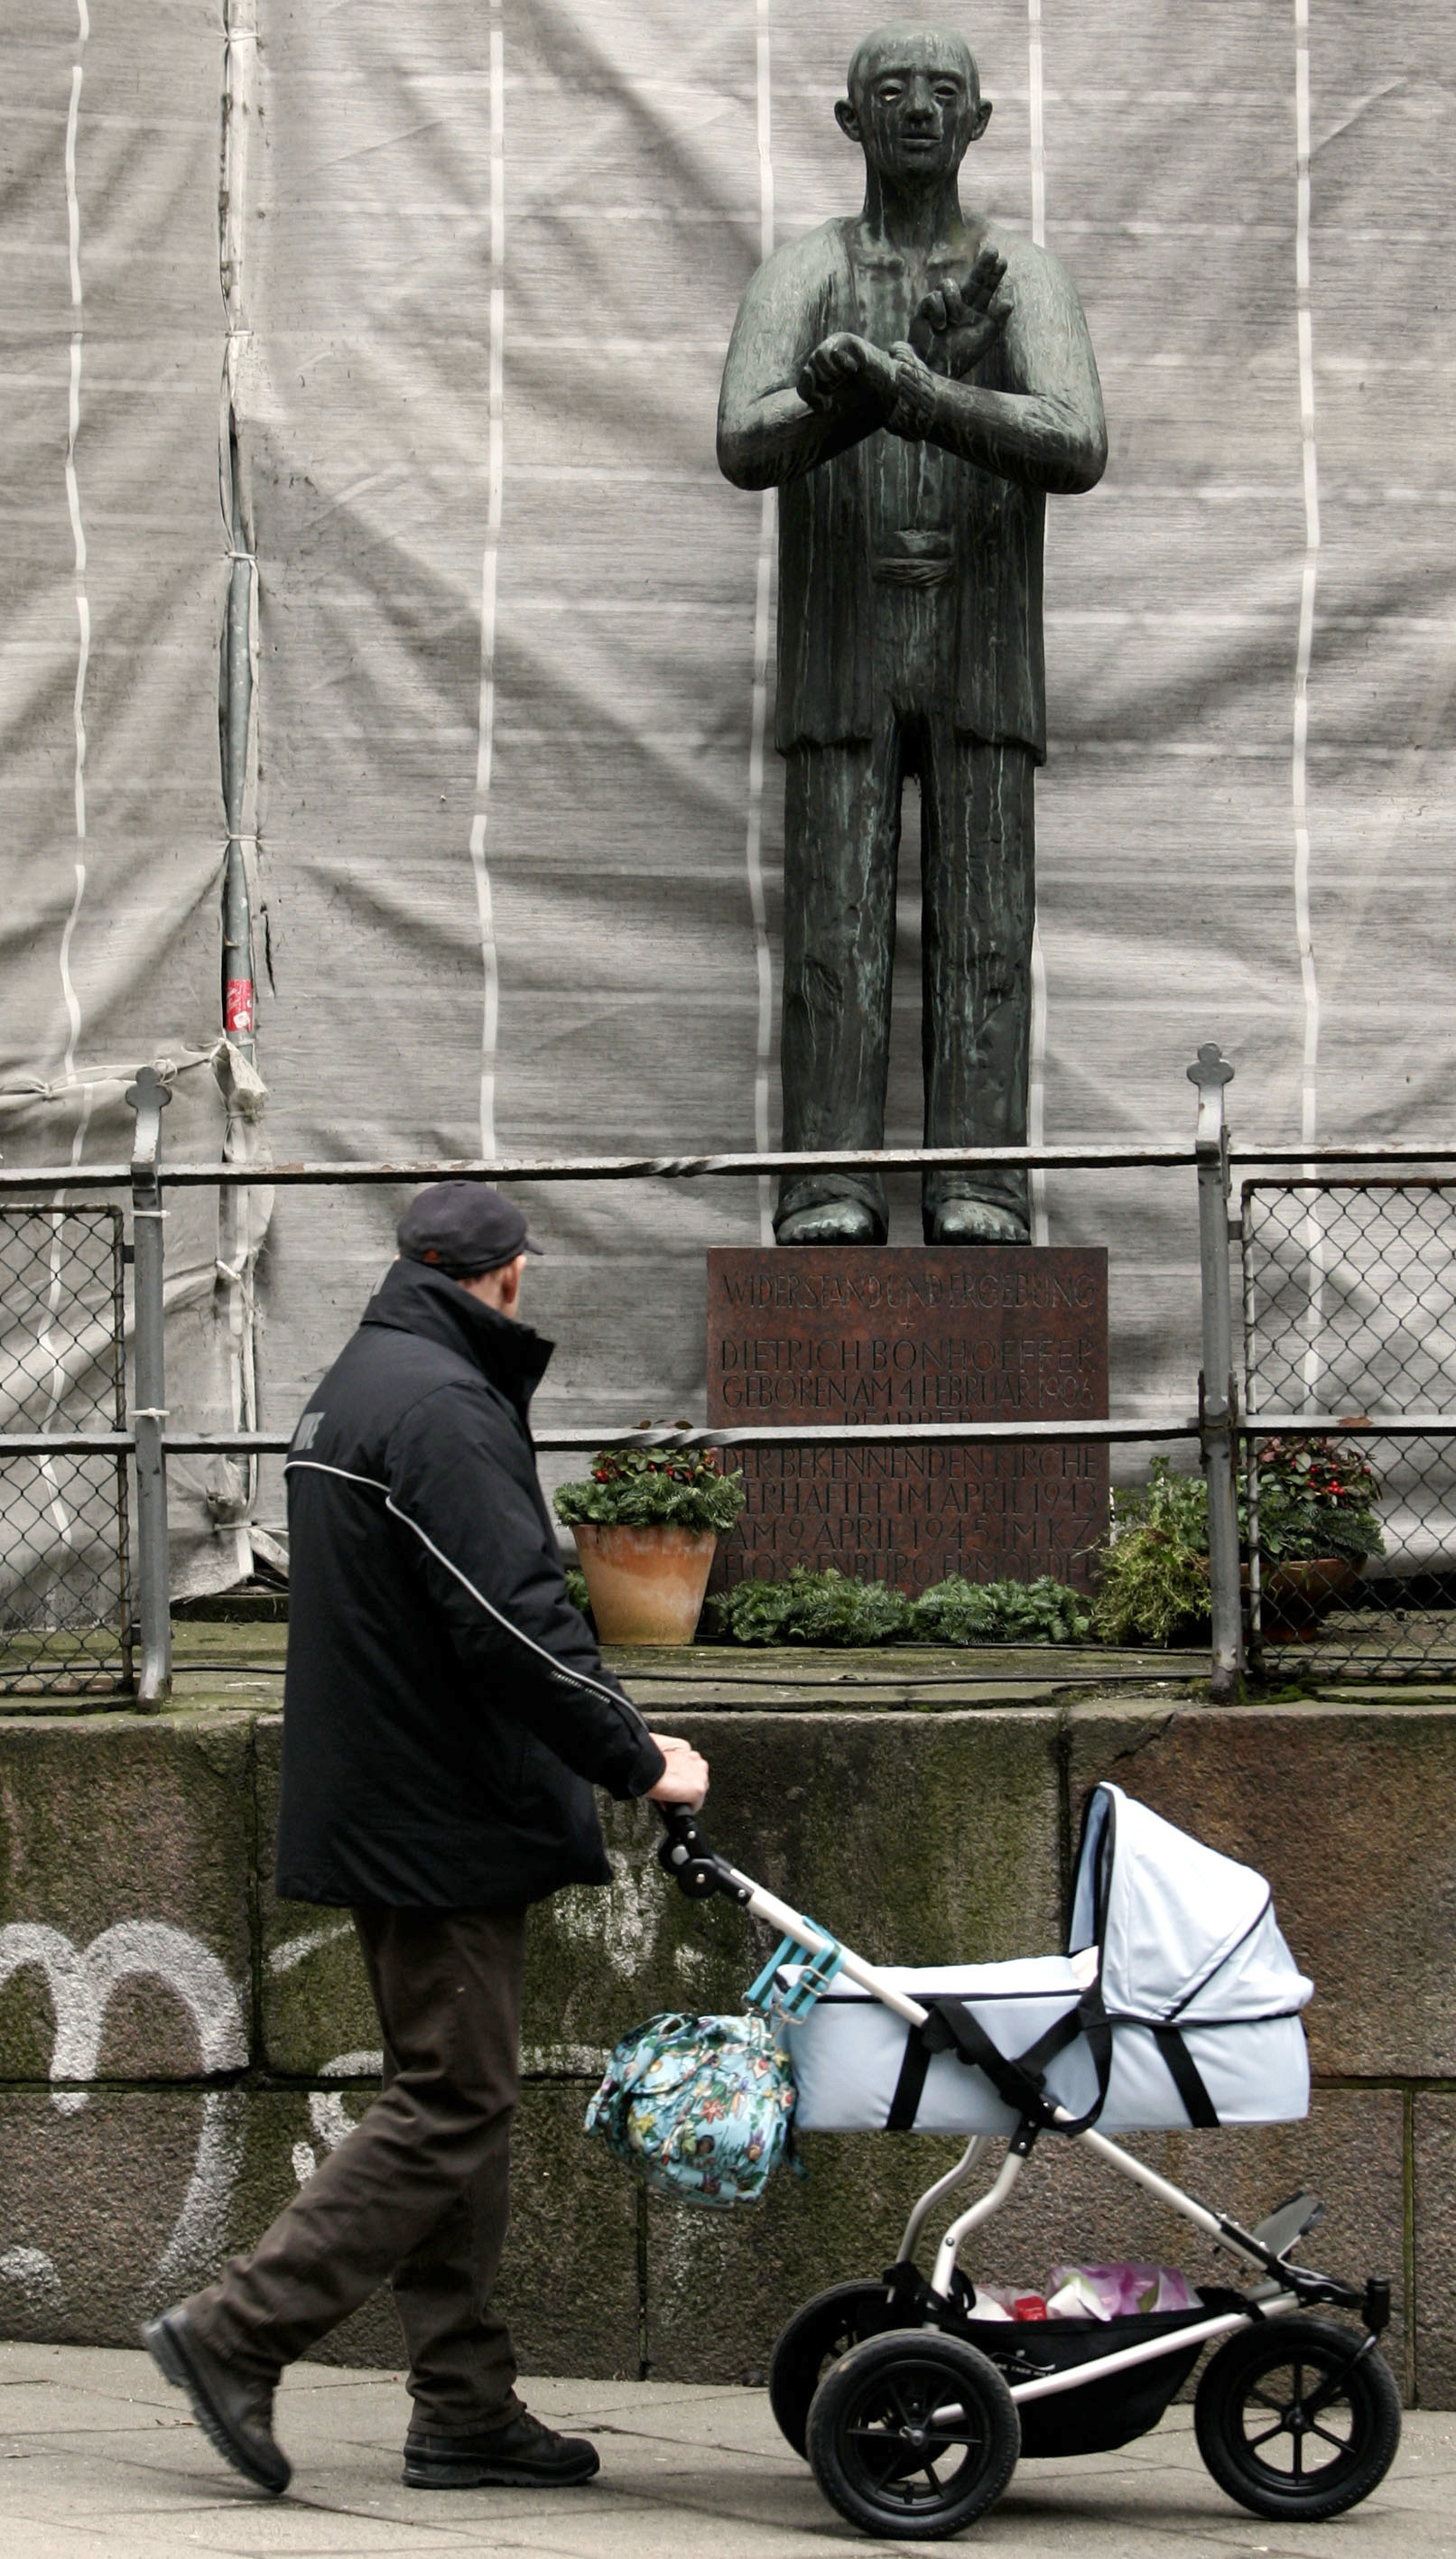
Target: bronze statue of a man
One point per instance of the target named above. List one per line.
(914, 379)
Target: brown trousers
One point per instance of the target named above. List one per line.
(419, 2189)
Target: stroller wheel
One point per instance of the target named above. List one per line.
(913, 2434)
(816, 2337)
(1294, 2421)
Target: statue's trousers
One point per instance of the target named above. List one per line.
(841, 842)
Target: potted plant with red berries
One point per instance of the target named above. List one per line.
(647, 1523)
(1317, 1524)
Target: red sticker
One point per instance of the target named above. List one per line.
(237, 1005)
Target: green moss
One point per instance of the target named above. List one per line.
(125, 1818)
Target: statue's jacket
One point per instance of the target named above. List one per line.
(995, 678)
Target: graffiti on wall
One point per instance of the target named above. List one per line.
(81, 1982)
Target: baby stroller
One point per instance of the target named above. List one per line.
(1178, 2004)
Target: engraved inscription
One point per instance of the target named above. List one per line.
(880, 1334)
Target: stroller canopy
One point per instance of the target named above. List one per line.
(1183, 1934)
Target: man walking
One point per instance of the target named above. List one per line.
(446, 1716)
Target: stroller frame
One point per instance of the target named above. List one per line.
(1287, 2288)
(1284, 2287)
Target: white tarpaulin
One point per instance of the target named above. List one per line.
(516, 829)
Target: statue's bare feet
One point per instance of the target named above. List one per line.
(830, 1222)
(973, 1221)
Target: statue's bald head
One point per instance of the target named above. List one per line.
(906, 42)
(914, 102)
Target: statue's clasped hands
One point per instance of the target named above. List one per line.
(952, 330)
(848, 371)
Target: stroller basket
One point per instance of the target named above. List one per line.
(1101, 2416)
(1178, 2004)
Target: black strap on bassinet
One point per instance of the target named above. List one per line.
(1187, 2078)
(1020, 2083)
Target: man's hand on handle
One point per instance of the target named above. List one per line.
(684, 1780)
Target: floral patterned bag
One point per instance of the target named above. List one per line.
(697, 2107)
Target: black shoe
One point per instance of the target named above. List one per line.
(521, 2453)
(233, 2409)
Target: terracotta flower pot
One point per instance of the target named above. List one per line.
(645, 1585)
(1294, 1596)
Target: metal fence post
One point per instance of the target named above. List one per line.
(1218, 1393)
(148, 1097)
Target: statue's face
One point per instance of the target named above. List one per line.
(916, 105)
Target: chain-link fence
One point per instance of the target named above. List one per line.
(64, 1604)
(1350, 1310)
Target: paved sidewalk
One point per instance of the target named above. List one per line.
(99, 2459)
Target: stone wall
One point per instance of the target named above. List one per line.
(178, 2046)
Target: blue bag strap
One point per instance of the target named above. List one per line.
(815, 1974)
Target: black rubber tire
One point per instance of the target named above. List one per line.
(876, 2453)
(816, 2337)
(1310, 2371)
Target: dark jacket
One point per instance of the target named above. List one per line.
(446, 1714)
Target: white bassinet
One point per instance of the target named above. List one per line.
(1179, 2004)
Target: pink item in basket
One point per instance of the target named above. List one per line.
(1116, 2292)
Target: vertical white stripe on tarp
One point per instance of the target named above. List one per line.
(1309, 580)
(70, 996)
(763, 591)
(495, 471)
(1304, 647)
(1036, 1113)
(47, 1340)
(78, 533)
(1037, 135)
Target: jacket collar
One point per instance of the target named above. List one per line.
(414, 1299)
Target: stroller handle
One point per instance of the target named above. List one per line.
(698, 1870)
(694, 1867)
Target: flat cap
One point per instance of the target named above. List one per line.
(463, 1226)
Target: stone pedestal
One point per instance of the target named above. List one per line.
(887, 1333)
